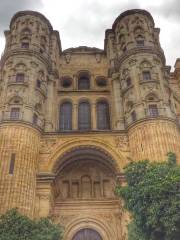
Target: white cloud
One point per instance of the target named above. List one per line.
(83, 22)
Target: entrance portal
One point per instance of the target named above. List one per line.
(83, 195)
(87, 234)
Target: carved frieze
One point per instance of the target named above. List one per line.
(122, 143)
(47, 145)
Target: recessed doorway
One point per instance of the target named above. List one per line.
(87, 234)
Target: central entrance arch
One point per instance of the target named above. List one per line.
(87, 234)
(84, 200)
(85, 174)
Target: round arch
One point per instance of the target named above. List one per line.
(87, 233)
(79, 224)
(91, 153)
(62, 149)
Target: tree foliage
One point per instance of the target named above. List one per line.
(14, 226)
(152, 195)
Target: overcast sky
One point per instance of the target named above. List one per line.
(83, 22)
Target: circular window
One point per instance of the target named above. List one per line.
(101, 82)
(66, 82)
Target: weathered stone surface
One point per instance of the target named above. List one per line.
(71, 175)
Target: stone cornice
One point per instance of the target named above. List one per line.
(146, 119)
(27, 52)
(32, 13)
(133, 51)
(83, 49)
(91, 203)
(45, 177)
(131, 12)
(20, 123)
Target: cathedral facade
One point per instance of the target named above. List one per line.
(71, 120)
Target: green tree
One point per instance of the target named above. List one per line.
(14, 226)
(152, 196)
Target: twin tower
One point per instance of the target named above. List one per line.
(59, 107)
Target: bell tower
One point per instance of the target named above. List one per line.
(140, 87)
(28, 72)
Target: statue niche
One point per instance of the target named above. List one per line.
(84, 179)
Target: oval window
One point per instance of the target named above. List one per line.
(66, 82)
(101, 82)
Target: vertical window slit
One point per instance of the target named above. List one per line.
(12, 163)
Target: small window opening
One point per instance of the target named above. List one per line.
(12, 163)
(25, 45)
(128, 81)
(146, 75)
(133, 116)
(20, 77)
(38, 83)
(35, 119)
(15, 112)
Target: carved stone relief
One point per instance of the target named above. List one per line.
(84, 179)
(122, 143)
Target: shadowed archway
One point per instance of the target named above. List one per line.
(84, 186)
(87, 234)
(85, 173)
(87, 153)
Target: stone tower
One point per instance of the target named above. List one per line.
(71, 120)
(140, 86)
(27, 73)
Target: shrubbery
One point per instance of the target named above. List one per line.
(152, 195)
(14, 226)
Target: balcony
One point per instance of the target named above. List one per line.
(7, 116)
(149, 114)
(33, 50)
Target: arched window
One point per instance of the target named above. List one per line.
(84, 116)
(65, 121)
(83, 83)
(103, 119)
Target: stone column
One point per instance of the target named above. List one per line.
(93, 116)
(117, 102)
(135, 80)
(44, 197)
(75, 117)
(167, 110)
(49, 106)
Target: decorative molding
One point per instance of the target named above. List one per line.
(122, 143)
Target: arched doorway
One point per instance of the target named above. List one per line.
(87, 234)
(85, 174)
(84, 197)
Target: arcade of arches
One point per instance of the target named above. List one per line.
(83, 199)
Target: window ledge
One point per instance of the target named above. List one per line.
(149, 81)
